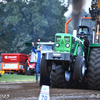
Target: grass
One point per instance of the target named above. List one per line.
(15, 78)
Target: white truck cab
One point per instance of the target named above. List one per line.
(46, 46)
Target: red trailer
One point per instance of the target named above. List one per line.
(13, 62)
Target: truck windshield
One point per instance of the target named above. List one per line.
(47, 47)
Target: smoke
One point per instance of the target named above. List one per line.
(77, 7)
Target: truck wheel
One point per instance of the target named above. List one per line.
(57, 77)
(94, 69)
(44, 71)
(27, 72)
(79, 68)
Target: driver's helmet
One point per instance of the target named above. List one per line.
(82, 34)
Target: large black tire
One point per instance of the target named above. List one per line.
(79, 68)
(44, 70)
(94, 69)
(27, 72)
(57, 77)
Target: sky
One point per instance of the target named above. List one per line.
(86, 8)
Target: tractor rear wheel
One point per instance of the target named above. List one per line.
(94, 69)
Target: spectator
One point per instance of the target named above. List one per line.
(38, 59)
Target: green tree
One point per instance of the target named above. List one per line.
(6, 32)
(32, 20)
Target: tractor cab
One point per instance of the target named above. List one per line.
(84, 32)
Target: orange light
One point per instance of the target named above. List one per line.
(38, 39)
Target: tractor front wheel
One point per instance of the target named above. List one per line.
(79, 68)
(57, 77)
(44, 70)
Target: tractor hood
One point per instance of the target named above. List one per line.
(66, 42)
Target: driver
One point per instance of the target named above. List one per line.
(86, 42)
(82, 35)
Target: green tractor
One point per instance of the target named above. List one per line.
(67, 59)
(74, 58)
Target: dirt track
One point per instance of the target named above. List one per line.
(31, 91)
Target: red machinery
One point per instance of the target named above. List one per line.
(13, 62)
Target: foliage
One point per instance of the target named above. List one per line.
(27, 21)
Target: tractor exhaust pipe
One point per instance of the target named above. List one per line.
(97, 35)
(93, 35)
(75, 33)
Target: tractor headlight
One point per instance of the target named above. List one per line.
(57, 44)
(67, 45)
